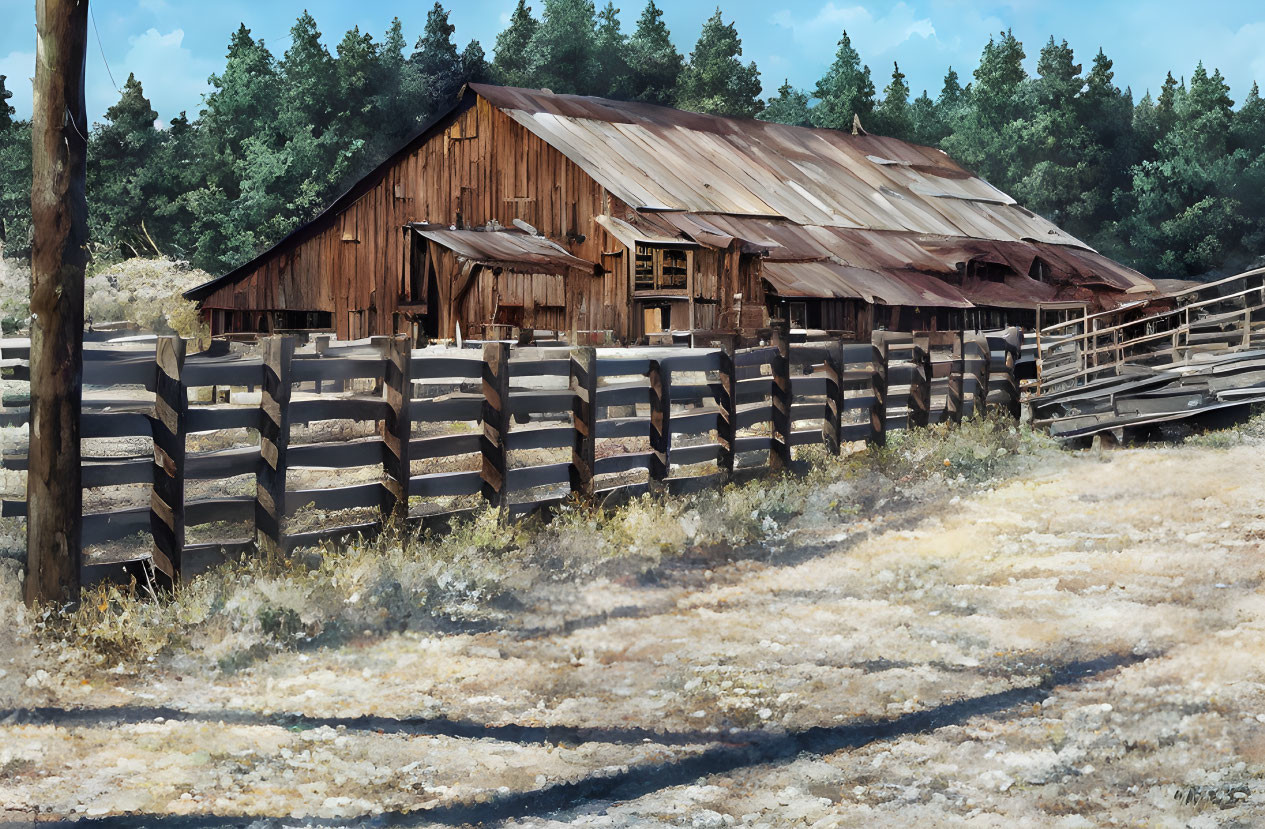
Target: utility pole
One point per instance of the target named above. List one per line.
(59, 219)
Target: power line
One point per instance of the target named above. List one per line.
(101, 49)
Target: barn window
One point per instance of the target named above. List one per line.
(1039, 271)
(661, 268)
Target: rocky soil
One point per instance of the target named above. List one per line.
(1077, 643)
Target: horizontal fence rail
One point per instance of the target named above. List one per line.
(454, 427)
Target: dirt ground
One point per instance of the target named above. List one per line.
(1079, 643)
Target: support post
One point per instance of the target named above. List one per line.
(166, 497)
(583, 419)
(780, 448)
(727, 401)
(920, 382)
(397, 429)
(274, 441)
(1014, 344)
(59, 255)
(954, 403)
(832, 427)
(660, 425)
(496, 421)
(985, 372)
(878, 389)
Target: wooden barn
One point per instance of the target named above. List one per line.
(606, 220)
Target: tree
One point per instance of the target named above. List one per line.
(926, 125)
(509, 56)
(611, 56)
(951, 93)
(892, 116)
(307, 77)
(121, 178)
(654, 63)
(474, 64)
(434, 69)
(715, 81)
(789, 107)
(845, 91)
(6, 111)
(997, 79)
(562, 55)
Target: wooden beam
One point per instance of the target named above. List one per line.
(496, 422)
(780, 448)
(59, 255)
(727, 400)
(166, 500)
(397, 429)
(878, 390)
(660, 425)
(954, 404)
(833, 416)
(583, 419)
(274, 440)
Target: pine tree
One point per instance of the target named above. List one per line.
(15, 188)
(308, 77)
(846, 90)
(434, 69)
(6, 111)
(892, 116)
(509, 56)
(789, 107)
(654, 63)
(951, 94)
(120, 177)
(926, 125)
(562, 55)
(243, 99)
(997, 79)
(611, 56)
(399, 107)
(715, 81)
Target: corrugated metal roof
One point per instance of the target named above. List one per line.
(655, 158)
(509, 249)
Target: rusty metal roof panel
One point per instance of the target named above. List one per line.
(835, 280)
(512, 250)
(655, 158)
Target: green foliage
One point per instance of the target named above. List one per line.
(654, 63)
(6, 110)
(510, 66)
(789, 107)
(610, 60)
(715, 81)
(845, 92)
(562, 54)
(892, 116)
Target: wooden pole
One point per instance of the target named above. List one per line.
(166, 499)
(833, 423)
(660, 425)
(583, 419)
(985, 373)
(274, 440)
(920, 382)
(727, 402)
(878, 390)
(59, 220)
(957, 370)
(397, 429)
(780, 448)
(496, 421)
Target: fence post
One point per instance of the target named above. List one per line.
(397, 429)
(957, 369)
(583, 419)
(1014, 344)
(780, 449)
(920, 382)
(831, 429)
(985, 372)
(660, 425)
(496, 421)
(878, 388)
(274, 440)
(727, 400)
(166, 497)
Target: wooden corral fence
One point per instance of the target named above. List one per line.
(1193, 352)
(441, 426)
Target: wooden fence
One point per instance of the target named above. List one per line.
(699, 416)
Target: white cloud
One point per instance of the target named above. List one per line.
(20, 69)
(869, 34)
(173, 78)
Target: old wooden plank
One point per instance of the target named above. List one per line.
(583, 373)
(495, 418)
(274, 439)
(397, 430)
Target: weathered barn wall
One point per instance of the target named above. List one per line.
(477, 166)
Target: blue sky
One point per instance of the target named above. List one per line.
(173, 45)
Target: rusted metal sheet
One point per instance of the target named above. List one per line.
(656, 158)
(511, 250)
